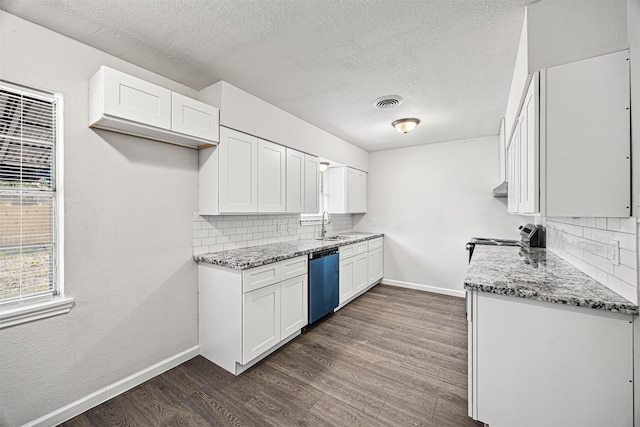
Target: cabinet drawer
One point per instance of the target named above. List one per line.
(375, 243)
(293, 267)
(256, 278)
(351, 250)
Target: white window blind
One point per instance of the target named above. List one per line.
(28, 131)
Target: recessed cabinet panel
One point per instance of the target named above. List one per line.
(361, 276)
(261, 321)
(375, 265)
(346, 274)
(295, 181)
(238, 161)
(192, 117)
(294, 305)
(134, 99)
(311, 184)
(271, 177)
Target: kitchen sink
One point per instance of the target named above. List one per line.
(330, 238)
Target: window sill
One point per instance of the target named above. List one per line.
(28, 312)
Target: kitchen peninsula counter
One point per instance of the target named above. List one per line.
(539, 274)
(255, 256)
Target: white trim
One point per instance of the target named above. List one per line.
(59, 213)
(426, 288)
(84, 404)
(29, 311)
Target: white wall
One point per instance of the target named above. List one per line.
(128, 254)
(564, 31)
(429, 201)
(247, 113)
(633, 18)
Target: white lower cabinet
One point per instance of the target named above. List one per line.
(293, 305)
(260, 321)
(244, 315)
(361, 266)
(535, 363)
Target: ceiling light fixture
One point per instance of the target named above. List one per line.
(323, 166)
(405, 125)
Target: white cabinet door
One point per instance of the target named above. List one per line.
(530, 151)
(311, 184)
(347, 191)
(356, 191)
(271, 177)
(346, 273)
(294, 305)
(195, 118)
(360, 272)
(260, 321)
(295, 181)
(513, 202)
(562, 343)
(134, 99)
(238, 177)
(375, 265)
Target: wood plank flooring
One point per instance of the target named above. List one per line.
(393, 357)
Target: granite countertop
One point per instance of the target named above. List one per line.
(255, 256)
(540, 275)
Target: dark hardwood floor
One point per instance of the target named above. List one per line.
(393, 357)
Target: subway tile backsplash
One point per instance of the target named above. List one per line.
(215, 233)
(586, 244)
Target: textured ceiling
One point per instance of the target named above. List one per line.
(323, 61)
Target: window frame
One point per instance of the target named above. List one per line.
(41, 307)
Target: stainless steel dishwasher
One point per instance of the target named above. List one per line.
(323, 283)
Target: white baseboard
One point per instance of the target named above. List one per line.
(84, 404)
(421, 287)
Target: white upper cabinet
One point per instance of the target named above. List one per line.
(192, 117)
(295, 181)
(247, 174)
(271, 177)
(238, 172)
(311, 182)
(347, 190)
(302, 182)
(126, 104)
(570, 152)
(529, 173)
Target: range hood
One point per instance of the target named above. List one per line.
(501, 190)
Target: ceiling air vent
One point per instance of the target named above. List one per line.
(387, 102)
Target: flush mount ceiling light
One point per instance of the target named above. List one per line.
(323, 166)
(405, 125)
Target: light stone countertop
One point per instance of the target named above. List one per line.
(540, 275)
(255, 256)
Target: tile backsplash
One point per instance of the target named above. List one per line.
(586, 244)
(223, 232)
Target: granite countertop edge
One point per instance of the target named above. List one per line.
(218, 258)
(629, 308)
(558, 285)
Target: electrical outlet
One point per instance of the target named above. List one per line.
(614, 252)
(374, 222)
(281, 227)
(289, 227)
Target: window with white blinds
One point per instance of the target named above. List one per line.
(28, 133)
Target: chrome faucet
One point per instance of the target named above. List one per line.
(323, 231)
